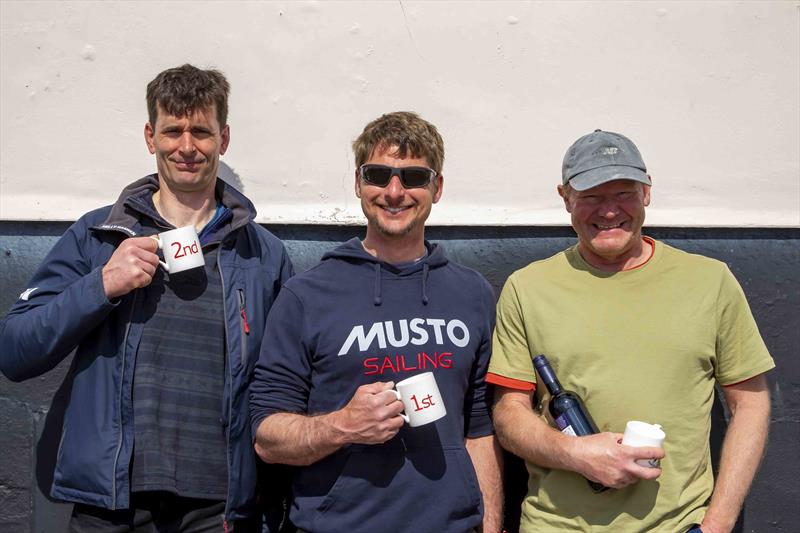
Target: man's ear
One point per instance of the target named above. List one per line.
(438, 182)
(565, 196)
(357, 185)
(646, 191)
(226, 139)
(148, 137)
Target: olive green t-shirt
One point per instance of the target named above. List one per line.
(644, 344)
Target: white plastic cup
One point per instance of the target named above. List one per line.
(421, 399)
(181, 248)
(643, 434)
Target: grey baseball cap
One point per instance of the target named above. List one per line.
(600, 157)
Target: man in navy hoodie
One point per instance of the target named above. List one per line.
(156, 433)
(372, 313)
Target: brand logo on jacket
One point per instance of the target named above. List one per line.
(402, 334)
(26, 293)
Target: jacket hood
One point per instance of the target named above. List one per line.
(353, 252)
(136, 200)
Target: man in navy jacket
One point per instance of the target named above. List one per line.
(156, 432)
(372, 313)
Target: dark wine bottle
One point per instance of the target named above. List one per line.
(566, 408)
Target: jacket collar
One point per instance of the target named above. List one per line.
(135, 202)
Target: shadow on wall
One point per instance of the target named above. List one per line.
(228, 175)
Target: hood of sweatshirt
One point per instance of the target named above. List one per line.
(353, 252)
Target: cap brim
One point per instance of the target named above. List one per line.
(601, 175)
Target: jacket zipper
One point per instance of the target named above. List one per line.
(119, 406)
(230, 382)
(245, 325)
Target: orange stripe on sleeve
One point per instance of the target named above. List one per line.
(510, 383)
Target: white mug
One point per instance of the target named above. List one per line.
(181, 248)
(421, 399)
(644, 434)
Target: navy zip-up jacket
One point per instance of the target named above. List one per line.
(65, 308)
(353, 320)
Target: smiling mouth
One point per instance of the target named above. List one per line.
(607, 227)
(394, 210)
(187, 165)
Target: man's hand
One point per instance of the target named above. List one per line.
(371, 416)
(602, 458)
(131, 266)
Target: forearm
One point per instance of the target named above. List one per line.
(526, 435)
(487, 459)
(297, 439)
(742, 450)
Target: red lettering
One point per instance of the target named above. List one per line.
(387, 363)
(402, 364)
(178, 252)
(372, 365)
(427, 401)
(193, 248)
(426, 359)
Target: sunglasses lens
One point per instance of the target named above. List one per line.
(377, 174)
(416, 177)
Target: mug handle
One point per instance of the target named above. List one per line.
(402, 415)
(160, 247)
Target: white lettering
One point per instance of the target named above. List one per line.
(422, 337)
(451, 333)
(437, 324)
(400, 333)
(364, 341)
(403, 333)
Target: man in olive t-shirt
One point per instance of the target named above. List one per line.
(641, 331)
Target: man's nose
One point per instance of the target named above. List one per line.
(609, 209)
(186, 144)
(395, 187)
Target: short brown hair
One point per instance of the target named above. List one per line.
(408, 131)
(185, 89)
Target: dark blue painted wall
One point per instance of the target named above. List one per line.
(766, 262)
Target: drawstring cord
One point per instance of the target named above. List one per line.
(425, 283)
(378, 300)
(377, 296)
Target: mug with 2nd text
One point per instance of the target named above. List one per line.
(181, 248)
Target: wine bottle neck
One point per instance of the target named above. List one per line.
(548, 376)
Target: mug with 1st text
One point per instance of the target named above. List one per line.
(421, 399)
(181, 248)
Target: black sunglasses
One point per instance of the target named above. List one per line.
(410, 177)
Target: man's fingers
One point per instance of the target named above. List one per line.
(146, 243)
(376, 387)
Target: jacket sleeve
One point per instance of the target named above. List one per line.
(282, 377)
(64, 301)
(478, 401)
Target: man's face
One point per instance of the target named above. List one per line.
(608, 218)
(394, 211)
(187, 149)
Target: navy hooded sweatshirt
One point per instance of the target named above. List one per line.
(353, 320)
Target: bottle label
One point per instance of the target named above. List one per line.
(565, 426)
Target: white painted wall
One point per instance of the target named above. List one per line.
(708, 90)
